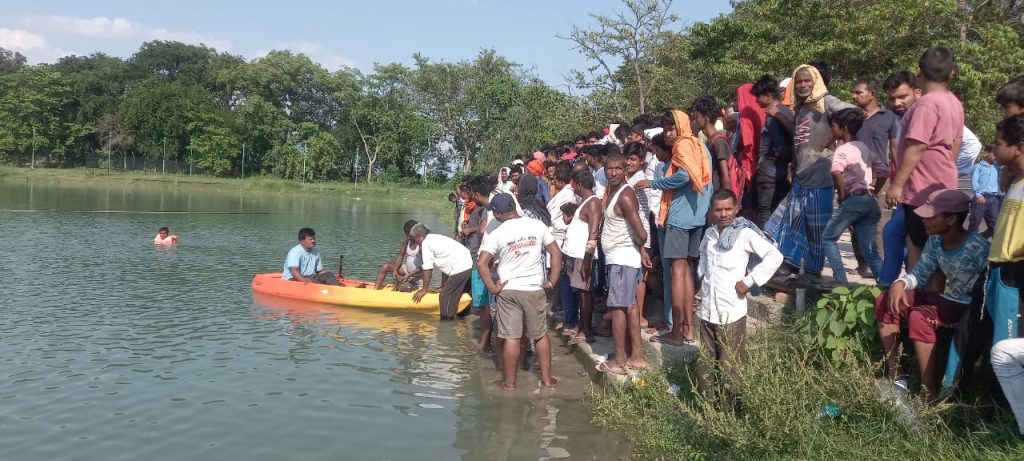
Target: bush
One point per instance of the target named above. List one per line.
(844, 320)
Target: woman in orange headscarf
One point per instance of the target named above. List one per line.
(685, 198)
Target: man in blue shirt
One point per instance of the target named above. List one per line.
(985, 182)
(303, 262)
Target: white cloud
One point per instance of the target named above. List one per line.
(36, 48)
(118, 28)
(90, 27)
(316, 52)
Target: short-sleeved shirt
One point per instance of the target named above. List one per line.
(720, 150)
(445, 254)
(518, 245)
(878, 130)
(811, 142)
(776, 149)
(849, 161)
(962, 266)
(1008, 241)
(308, 262)
(937, 121)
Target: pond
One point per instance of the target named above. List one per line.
(115, 349)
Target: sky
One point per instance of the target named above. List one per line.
(334, 33)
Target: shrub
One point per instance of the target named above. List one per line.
(844, 320)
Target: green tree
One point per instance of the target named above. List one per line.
(32, 100)
(10, 61)
(293, 83)
(160, 111)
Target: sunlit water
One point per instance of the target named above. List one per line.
(114, 349)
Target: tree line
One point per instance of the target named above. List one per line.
(193, 104)
(298, 120)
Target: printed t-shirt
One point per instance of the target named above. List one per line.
(812, 138)
(518, 245)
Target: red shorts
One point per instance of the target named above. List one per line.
(928, 312)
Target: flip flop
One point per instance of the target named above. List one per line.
(661, 339)
(604, 367)
(579, 339)
(631, 367)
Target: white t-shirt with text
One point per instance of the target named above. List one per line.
(518, 246)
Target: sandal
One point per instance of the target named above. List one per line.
(580, 338)
(604, 367)
(663, 340)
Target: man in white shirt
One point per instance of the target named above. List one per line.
(451, 258)
(519, 244)
(725, 254)
(565, 194)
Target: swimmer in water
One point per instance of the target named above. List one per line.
(165, 237)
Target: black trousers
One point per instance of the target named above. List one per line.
(451, 293)
(770, 193)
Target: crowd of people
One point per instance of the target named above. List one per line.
(699, 206)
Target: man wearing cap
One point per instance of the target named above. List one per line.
(451, 258)
(954, 252)
(519, 244)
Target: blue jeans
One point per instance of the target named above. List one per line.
(894, 242)
(861, 212)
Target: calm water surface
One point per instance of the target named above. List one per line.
(114, 349)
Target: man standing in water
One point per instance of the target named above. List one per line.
(519, 244)
(303, 262)
(451, 258)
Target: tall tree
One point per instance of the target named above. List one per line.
(32, 100)
(10, 61)
(630, 38)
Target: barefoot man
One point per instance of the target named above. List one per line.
(519, 244)
(622, 238)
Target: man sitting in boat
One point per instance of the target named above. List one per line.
(303, 262)
(165, 237)
(407, 267)
(448, 256)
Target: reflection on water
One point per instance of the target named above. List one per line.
(116, 349)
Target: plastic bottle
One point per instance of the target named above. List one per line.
(830, 412)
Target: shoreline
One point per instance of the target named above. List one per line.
(434, 194)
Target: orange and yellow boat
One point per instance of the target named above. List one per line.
(351, 293)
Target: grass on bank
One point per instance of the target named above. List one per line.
(784, 385)
(426, 193)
